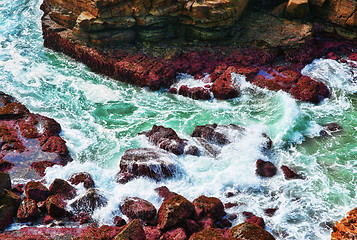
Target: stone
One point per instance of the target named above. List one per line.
(152, 233)
(250, 217)
(346, 228)
(270, 211)
(176, 233)
(191, 227)
(82, 177)
(36, 191)
(5, 181)
(27, 211)
(119, 221)
(297, 9)
(225, 87)
(137, 208)
(40, 167)
(330, 128)
(209, 207)
(10, 199)
(249, 231)
(147, 162)
(48, 219)
(6, 216)
(290, 174)
(56, 206)
(265, 168)
(164, 192)
(174, 211)
(132, 231)
(63, 189)
(208, 234)
(5, 166)
(88, 202)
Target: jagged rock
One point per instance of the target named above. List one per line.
(224, 87)
(27, 211)
(10, 199)
(250, 217)
(290, 174)
(5, 166)
(63, 189)
(249, 231)
(265, 168)
(208, 234)
(209, 207)
(40, 167)
(164, 192)
(137, 208)
(90, 201)
(119, 221)
(297, 8)
(36, 191)
(174, 211)
(152, 233)
(82, 177)
(132, 230)
(56, 206)
(147, 162)
(346, 229)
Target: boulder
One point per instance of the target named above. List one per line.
(346, 228)
(164, 192)
(225, 87)
(36, 191)
(119, 221)
(290, 174)
(6, 216)
(152, 233)
(137, 208)
(5, 181)
(174, 211)
(209, 207)
(265, 168)
(82, 177)
(10, 199)
(208, 234)
(88, 202)
(40, 167)
(132, 231)
(191, 227)
(249, 231)
(250, 217)
(297, 9)
(147, 162)
(56, 206)
(27, 211)
(5, 166)
(63, 189)
(176, 233)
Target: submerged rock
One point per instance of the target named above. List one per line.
(88, 202)
(265, 168)
(290, 174)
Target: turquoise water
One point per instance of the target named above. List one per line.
(101, 118)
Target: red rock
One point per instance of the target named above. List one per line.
(152, 233)
(36, 191)
(42, 206)
(5, 181)
(265, 168)
(12, 110)
(55, 144)
(132, 230)
(40, 167)
(224, 223)
(230, 205)
(119, 222)
(249, 231)
(82, 177)
(309, 90)
(82, 218)
(197, 93)
(353, 57)
(176, 233)
(209, 207)
(5, 166)
(191, 227)
(270, 211)
(207, 222)
(47, 219)
(55, 206)
(174, 211)
(27, 211)
(63, 189)
(10, 199)
(208, 234)
(124, 177)
(209, 133)
(90, 201)
(164, 192)
(137, 208)
(290, 174)
(250, 217)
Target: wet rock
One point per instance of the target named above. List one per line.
(82, 177)
(270, 211)
(125, 177)
(197, 93)
(265, 168)
(48, 219)
(249, 231)
(137, 208)
(10, 199)
(27, 211)
(164, 192)
(176, 233)
(82, 218)
(209, 133)
(5, 181)
(225, 87)
(290, 174)
(40, 167)
(90, 201)
(224, 223)
(208, 234)
(330, 128)
(56, 206)
(346, 228)
(174, 211)
(119, 222)
(250, 217)
(18, 189)
(103, 232)
(55, 144)
(5, 166)
(147, 162)
(132, 230)
(152, 233)
(62, 188)
(36, 191)
(309, 90)
(191, 227)
(209, 207)
(207, 222)
(10, 108)
(6, 216)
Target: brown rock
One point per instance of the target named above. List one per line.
(152, 233)
(36, 191)
(10, 199)
(5, 166)
(250, 217)
(290, 174)
(174, 211)
(265, 168)
(27, 211)
(132, 231)
(82, 177)
(90, 201)
(249, 231)
(346, 229)
(5, 181)
(209, 207)
(6, 216)
(297, 8)
(164, 192)
(137, 208)
(176, 233)
(208, 234)
(63, 189)
(55, 206)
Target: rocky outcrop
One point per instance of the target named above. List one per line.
(346, 229)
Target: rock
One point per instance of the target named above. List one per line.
(83, 218)
(5, 181)
(55, 144)
(18, 189)
(36, 191)
(309, 90)
(208, 234)
(230, 205)
(82, 177)
(270, 211)
(250, 217)
(5, 166)
(330, 128)
(207, 222)
(346, 228)
(197, 93)
(191, 227)
(249, 231)
(56, 206)
(209, 133)
(265, 168)
(147, 162)
(103, 232)
(137, 208)
(90, 201)
(225, 87)
(27, 211)
(63, 189)
(209, 207)
(48, 219)
(174, 211)
(6, 216)
(224, 223)
(40, 167)
(152, 233)
(290, 174)
(164, 192)
(132, 231)
(119, 222)
(125, 177)
(176, 233)
(297, 9)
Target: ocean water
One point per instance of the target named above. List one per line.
(101, 117)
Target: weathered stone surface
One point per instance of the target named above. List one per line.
(265, 168)
(56, 206)
(174, 211)
(209, 207)
(176, 233)
(132, 231)
(63, 189)
(10, 199)
(208, 234)
(27, 211)
(82, 177)
(224, 87)
(90, 201)
(147, 162)
(297, 8)
(249, 231)
(6, 216)
(36, 191)
(346, 229)
(137, 208)
(250, 217)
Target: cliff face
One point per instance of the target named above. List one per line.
(111, 22)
